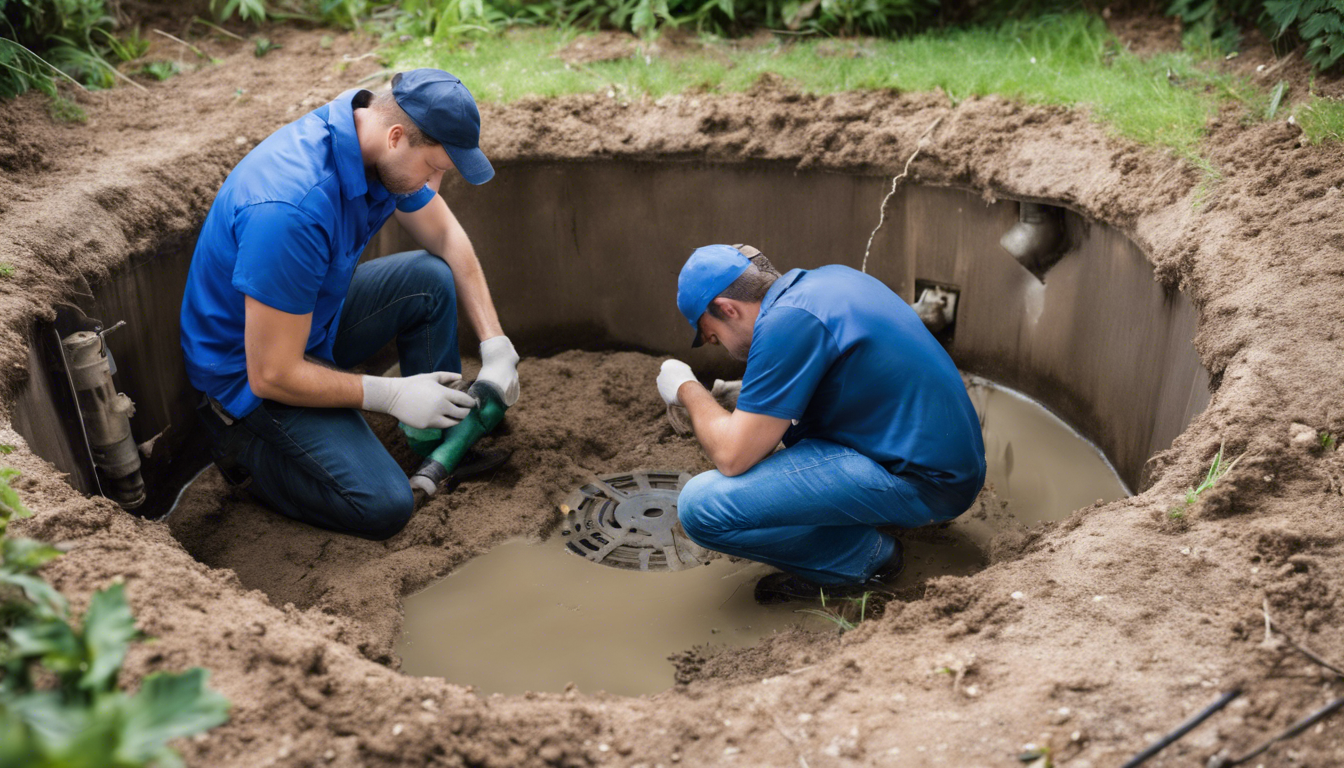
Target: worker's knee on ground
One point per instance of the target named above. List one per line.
(697, 507)
(382, 514)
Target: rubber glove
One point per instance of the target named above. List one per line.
(725, 392)
(424, 401)
(673, 374)
(499, 367)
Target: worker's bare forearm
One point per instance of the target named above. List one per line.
(308, 384)
(713, 428)
(473, 294)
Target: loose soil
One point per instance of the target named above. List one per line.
(1093, 636)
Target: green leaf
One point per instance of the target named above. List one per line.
(25, 555)
(52, 641)
(55, 724)
(169, 706)
(39, 592)
(109, 629)
(1276, 98)
(10, 503)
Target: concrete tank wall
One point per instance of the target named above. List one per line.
(585, 255)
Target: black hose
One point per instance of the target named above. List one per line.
(1293, 730)
(1184, 728)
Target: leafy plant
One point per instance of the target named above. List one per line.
(7, 269)
(161, 69)
(1327, 441)
(61, 110)
(128, 48)
(264, 46)
(247, 10)
(1320, 24)
(59, 702)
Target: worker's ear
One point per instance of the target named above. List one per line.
(727, 309)
(395, 135)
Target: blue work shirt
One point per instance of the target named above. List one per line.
(842, 354)
(287, 228)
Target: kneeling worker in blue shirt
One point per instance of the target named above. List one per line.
(276, 303)
(877, 426)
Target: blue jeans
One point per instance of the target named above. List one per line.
(811, 509)
(324, 466)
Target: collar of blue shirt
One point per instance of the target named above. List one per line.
(345, 147)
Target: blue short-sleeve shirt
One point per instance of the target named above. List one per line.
(286, 228)
(842, 354)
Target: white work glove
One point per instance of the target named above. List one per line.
(674, 373)
(424, 401)
(725, 392)
(499, 367)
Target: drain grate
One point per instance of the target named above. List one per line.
(630, 521)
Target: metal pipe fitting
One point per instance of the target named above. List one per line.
(1037, 238)
(106, 414)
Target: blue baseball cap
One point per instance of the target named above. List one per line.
(443, 108)
(706, 273)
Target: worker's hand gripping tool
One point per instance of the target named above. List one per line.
(441, 464)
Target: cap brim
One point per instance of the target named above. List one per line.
(697, 341)
(471, 163)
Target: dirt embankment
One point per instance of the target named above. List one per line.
(1127, 621)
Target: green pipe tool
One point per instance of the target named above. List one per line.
(442, 464)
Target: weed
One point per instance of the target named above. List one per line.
(247, 10)
(161, 70)
(128, 48)
(264, 46)
(6, 269)
(62, 110)
(840, 616)
(1327, 441)
(1217, 470)
(6, 449)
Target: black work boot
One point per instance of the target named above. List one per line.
(782, 587)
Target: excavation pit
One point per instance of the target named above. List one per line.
(1098, 342)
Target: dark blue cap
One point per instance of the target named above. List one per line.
(443, 108)
(705, 275)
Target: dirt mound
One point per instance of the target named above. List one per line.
(1094, 637)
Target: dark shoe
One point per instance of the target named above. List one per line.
(782, 587)
(888, 571)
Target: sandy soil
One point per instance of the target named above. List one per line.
(1127, 621)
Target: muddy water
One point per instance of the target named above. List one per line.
(530, 616)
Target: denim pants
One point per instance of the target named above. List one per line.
(811, 509)
(324, 466)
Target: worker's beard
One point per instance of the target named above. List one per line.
(739, 350)
(395, 181)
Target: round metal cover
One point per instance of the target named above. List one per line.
(629, 521)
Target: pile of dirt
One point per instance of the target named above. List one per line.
(1093, 637)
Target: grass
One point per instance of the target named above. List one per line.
(839, 615)
(1217, 470)
(1068, 60)
(1321, 119)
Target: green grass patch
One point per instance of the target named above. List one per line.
(1321, 119)
(1068, 60)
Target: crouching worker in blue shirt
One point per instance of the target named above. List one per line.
(877, 427)
(275, 307)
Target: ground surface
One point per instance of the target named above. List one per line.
(1127, 621)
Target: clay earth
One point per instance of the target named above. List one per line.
(1093, 636)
